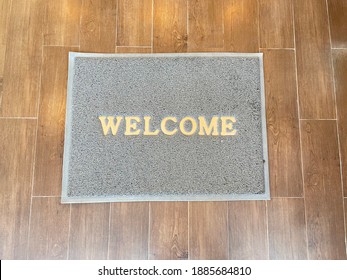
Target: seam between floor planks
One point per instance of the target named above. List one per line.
(299, 122)
(35, 148)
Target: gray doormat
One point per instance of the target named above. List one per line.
(156, 127)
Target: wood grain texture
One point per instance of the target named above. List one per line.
(129, 231)
(287, 229)
(323, 192)
(89, 231)
(134, 24)
(248, 231)
(98, 26)
(276, 24)
(205, 25)
(340, 71)
(1, 89)
(62, 22)
(170, 26)
(17, 140)
(133, 49)
(338, 23)
(50, 136)
(2, 62)
(168, 231)
(49, 229)
(282, 123)
(208, 230)
(5, 9)
(21, 77)
(241, 19)
(313, 55)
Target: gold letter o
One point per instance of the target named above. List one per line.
(183, 129)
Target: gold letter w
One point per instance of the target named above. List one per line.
(110, 124)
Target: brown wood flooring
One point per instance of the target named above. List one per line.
(305, 61)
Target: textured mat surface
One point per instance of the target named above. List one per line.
(165, 127)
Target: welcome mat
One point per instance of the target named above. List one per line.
(156, 127)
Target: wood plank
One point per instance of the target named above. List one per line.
(129, 231)
(98, 26)
(276, 24)
(241, 26)
(50, 136)
(287, 229)
(338, 23)
(2, 63)
(5, 9)
(17, 141)
(134, 25)
(248, 230)
(205, 21)
(62, 22)
(21, 78)
(340, 71)
(170, 26)
(282, 123)
(168, 231)
(133, 49)
(1, 89)
(49, 229)
(313, 55)
(89, 231)
(323, 192)
(208, 230)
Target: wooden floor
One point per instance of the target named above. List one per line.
(305, 57)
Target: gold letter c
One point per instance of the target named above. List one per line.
(163, 126)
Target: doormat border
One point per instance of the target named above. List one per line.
(143, 198)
